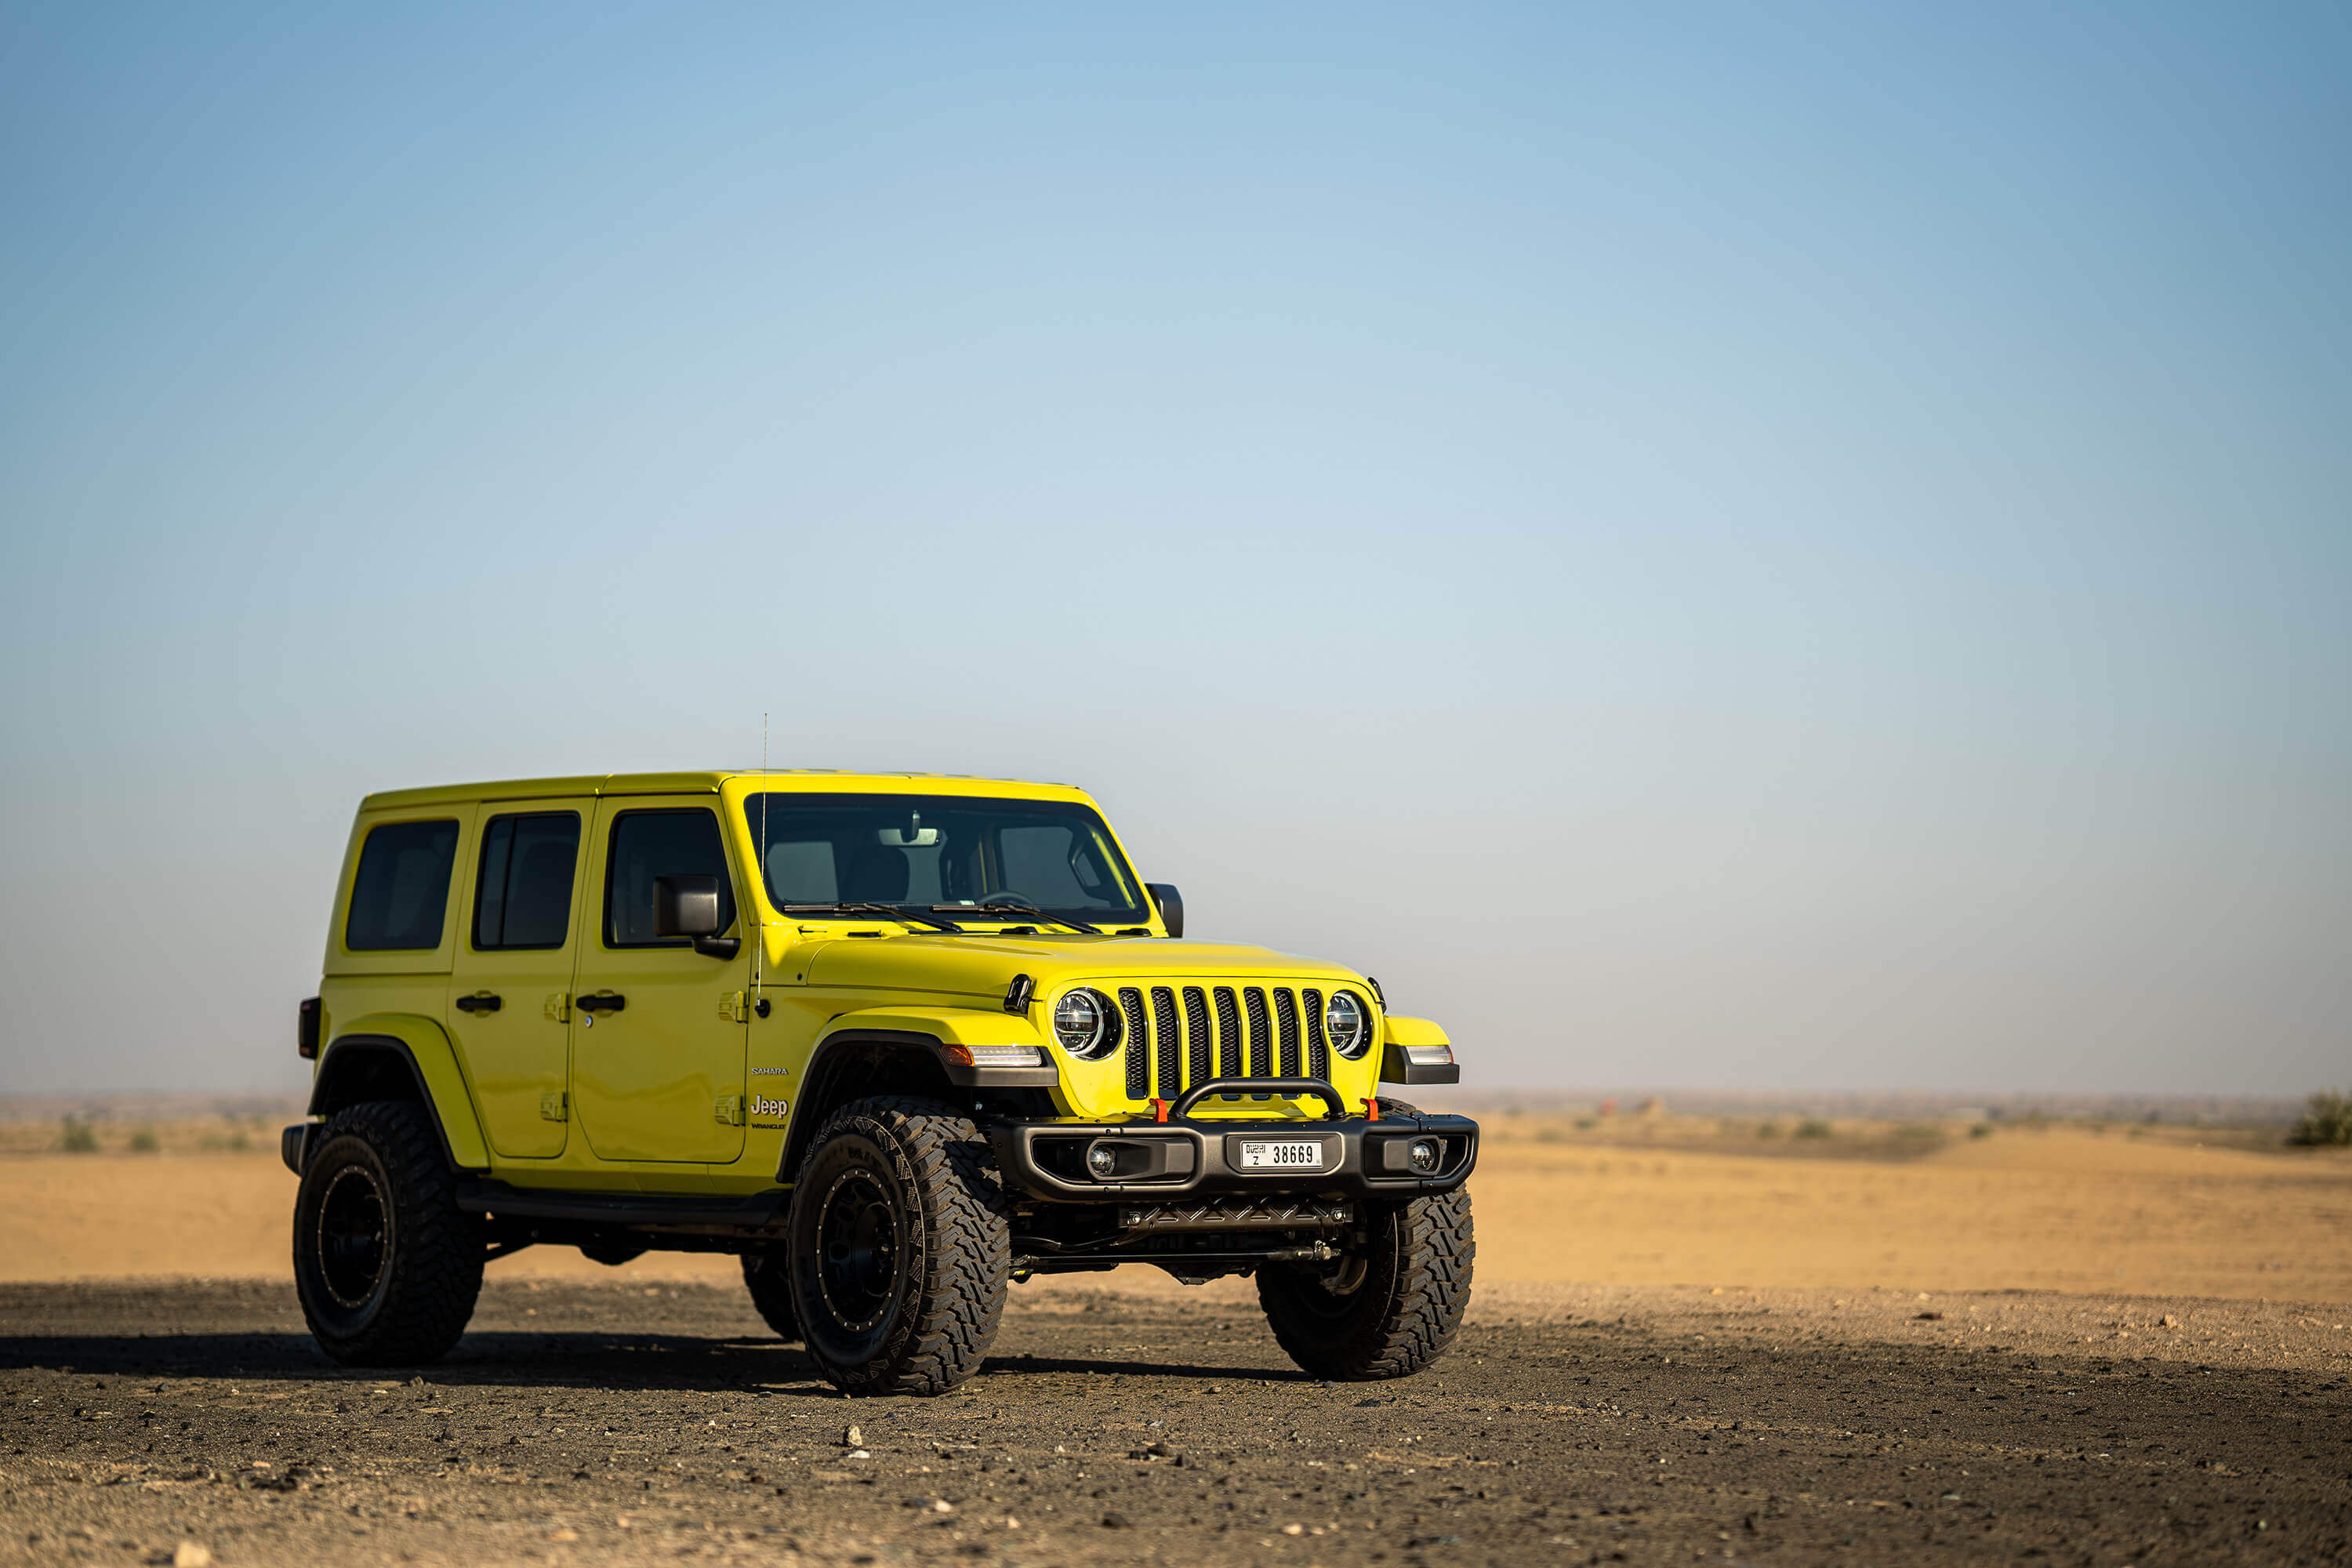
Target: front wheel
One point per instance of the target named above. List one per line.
(901, 1246)
(1387, 1310)
(385, 1264)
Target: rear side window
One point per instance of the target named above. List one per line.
(524, 897)
(650, 844)
(402, 891)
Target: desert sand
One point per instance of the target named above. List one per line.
(1688, 1340)
(2051, 1207)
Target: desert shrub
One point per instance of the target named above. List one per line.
(1587, 1123)
(79, 1136)
(1981, 1130)
(143, 1141)
(1812, 1127)
(2327, 1119)
(1768, 1130)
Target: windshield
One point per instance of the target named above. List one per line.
(951, 853)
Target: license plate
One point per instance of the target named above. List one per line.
(1282, 1154)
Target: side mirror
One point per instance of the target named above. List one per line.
(688, 906)
(1171, 904)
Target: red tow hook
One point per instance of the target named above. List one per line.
(1159, 1110)
(1371, 1111)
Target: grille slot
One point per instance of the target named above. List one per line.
(1318, 1050)
(1261, 1053)
(1164, 1042)
(1285, 1021)
(1228, 1034)
(1138, 1043)
(1197, 1056)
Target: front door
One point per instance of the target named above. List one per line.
(513, 973)
(658, 1030)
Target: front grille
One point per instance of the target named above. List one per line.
(1178, 1036)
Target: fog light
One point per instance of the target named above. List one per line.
(1423, 1155)
(1101, 1161)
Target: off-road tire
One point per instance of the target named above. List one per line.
(914, 1311)
(386, 1266)
(767, 1276)
(1403, 1310)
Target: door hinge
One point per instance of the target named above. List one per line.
(555, 1105)
(732, 1007)
(558, 1008)
(728, 1110)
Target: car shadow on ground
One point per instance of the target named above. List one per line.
(541, 1358)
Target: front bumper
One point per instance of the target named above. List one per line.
(1047, 1160)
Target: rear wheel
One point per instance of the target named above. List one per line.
(1387, 1310)
(900, 1246)
(768, 1274)
(386, 1266)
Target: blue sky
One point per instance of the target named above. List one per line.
(1807, 549)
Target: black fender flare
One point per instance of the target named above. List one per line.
(854, 1063)
(360, 1066)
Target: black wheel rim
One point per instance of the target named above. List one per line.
(354, 1237)
(857, 1250)
(1348, 1278)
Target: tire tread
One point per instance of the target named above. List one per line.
(967, 1255)
(1428, 1253)
(438, 1251)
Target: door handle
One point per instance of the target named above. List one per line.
(481, 1002)
(604, 1003)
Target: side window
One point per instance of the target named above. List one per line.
(650, 844)
(523, 897)
(402, 889)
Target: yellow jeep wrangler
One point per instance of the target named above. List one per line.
(893, 1039)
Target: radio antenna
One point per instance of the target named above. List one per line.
(760, 872)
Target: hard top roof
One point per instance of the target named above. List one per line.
(808, 780)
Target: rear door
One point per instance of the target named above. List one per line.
(510, 988)
(658, 1030)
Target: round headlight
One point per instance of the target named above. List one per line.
(1081, 1022)
(1346, 1025)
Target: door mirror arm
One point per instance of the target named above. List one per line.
(719, 946)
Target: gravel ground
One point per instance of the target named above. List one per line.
(603, 1422)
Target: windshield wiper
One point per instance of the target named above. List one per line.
(887, 911)
(1027, 911)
